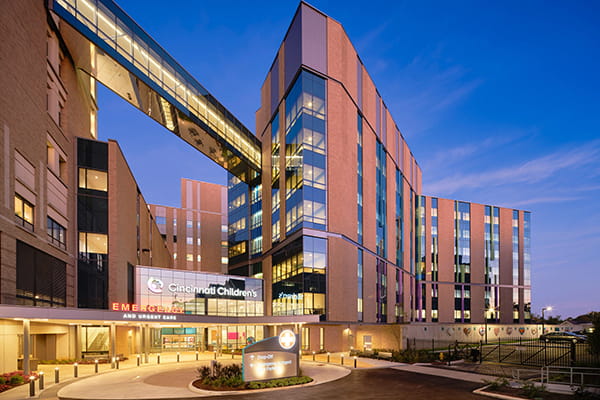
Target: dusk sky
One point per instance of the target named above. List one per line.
(499, 102)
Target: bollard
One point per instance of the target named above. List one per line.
(313, 356)
(177, 356)
(41, 379)
(328, 357)
(112, 363)
(56, 375)
(342, 357)
(215, 354)
(232, 354)
(354, 361)
(196, 356)
(118, 359)
(158, 358)
(75, 370)
(95, 366)
(138, 360)
(31, 386)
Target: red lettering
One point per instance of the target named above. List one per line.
(124, 307)
(115, 306)
(135, 307)
(151, 309)
(143, 308)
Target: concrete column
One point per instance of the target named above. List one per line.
(138, 340)
(219, 339)
(78, 339)
(145, 342)
(26, 346)
(113, 340)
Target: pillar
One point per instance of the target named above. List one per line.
(78, 342)
(113, 340)
(26, 346)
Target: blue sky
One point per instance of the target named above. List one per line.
(499, 102)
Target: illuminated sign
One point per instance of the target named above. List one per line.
(291, 296)
(211, 290)
(272, 358)
(146, 309)
(155, 285)
(287, 339)
(159, 317)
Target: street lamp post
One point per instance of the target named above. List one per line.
(544, 309)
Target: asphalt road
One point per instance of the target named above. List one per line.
(377, 384)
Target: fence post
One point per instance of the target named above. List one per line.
(415, 343)
(573, 353)
(480, 351)
(407, 343)
(433, 345)
(499, 349)
(449, 353)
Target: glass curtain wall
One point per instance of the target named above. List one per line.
(515, 273)
(420, 256)
(299, 277)
(434, 259)
(305, 157)
(462, 262)
(527, 265)
(492, 263)
(275, 175)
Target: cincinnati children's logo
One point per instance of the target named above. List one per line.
(287, 339)
(155, 285)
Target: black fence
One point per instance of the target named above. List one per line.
(517, 351)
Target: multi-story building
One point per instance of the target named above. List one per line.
(326, 217)
(346, 231)
(196, 233)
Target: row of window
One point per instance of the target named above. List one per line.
(57, 234)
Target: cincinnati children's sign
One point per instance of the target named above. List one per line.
(272, 358)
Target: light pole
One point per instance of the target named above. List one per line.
(549, 308)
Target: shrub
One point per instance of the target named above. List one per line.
(497, 383)
(2, 380)
(16, 380)
(204, 372)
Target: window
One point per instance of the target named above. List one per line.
(92, 243)
(161, 220)
(189, 224)
(190, 240)
(224, 260)
(24, 212)
(189, 257)
(93, 179)
(56, 233)
(198, 258)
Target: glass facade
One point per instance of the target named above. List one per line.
(434, 259)
(360, 291)
(199, 293)
(305, 154)
(515, 266)
(299, 277)
(462, 262)
(275, 177)
(527, 265)
(381, 291)
(238, 195)
(492, 262)
(92, 224)
(420, 255)
(380, 199)
(399, 220)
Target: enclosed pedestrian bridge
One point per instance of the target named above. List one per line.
(112, 48)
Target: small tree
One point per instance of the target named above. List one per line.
(594, 337)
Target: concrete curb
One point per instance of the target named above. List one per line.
(481, 391)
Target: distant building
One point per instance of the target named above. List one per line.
(196, 233)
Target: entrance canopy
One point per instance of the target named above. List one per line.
(83, 316)
(117, 52)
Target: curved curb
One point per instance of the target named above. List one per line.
(481, 391)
